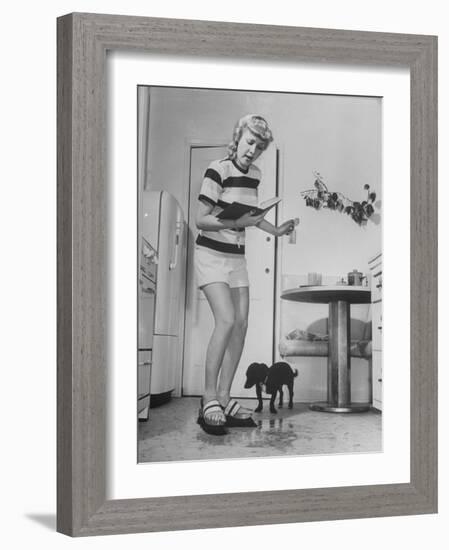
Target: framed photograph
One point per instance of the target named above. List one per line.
(247, 274)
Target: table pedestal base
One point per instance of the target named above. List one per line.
(350, 408)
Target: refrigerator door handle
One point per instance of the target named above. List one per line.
(173, 264)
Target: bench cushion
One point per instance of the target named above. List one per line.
(319, 348)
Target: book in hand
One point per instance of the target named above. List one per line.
(237, 209)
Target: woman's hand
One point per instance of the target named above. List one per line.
(249, 220)
(286, 228)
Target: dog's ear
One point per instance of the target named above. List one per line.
(251, 367)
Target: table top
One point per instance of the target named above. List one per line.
(324, 294)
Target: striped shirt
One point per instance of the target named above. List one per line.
(225, 182)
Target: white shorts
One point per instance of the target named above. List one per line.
(218, 267)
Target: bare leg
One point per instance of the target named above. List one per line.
(219, 297)
(240, 299)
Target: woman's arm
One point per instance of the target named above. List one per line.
(285, 229)
(205, 220)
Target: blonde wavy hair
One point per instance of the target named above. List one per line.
(257, 125)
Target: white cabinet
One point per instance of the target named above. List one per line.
(375, 266)
(144, 384)
(377, 379)
(376, 314)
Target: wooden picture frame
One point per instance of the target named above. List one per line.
(83, 40)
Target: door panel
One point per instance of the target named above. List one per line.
(260, 254)
(199, 319)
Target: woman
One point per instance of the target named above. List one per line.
(221, 267)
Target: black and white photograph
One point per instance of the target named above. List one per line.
(259, 274)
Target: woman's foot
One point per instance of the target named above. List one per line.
(210, 418)
(212, 411)
(240, 412)
(235, 418)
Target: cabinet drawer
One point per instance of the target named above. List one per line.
(377, 379)
(377, 325)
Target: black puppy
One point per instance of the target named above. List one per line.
(272, 379)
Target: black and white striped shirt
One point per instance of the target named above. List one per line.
(225, 182)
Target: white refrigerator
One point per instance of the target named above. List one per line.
(161, 312)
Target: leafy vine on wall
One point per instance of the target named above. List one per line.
(320, 197)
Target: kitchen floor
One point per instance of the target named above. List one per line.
(172, 434)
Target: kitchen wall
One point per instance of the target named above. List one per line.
(338, 136)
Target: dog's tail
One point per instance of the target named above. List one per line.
(295, 373)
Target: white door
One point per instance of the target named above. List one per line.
(260, 254)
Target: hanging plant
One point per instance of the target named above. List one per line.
(321, 197)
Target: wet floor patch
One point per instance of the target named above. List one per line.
(172, 434)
